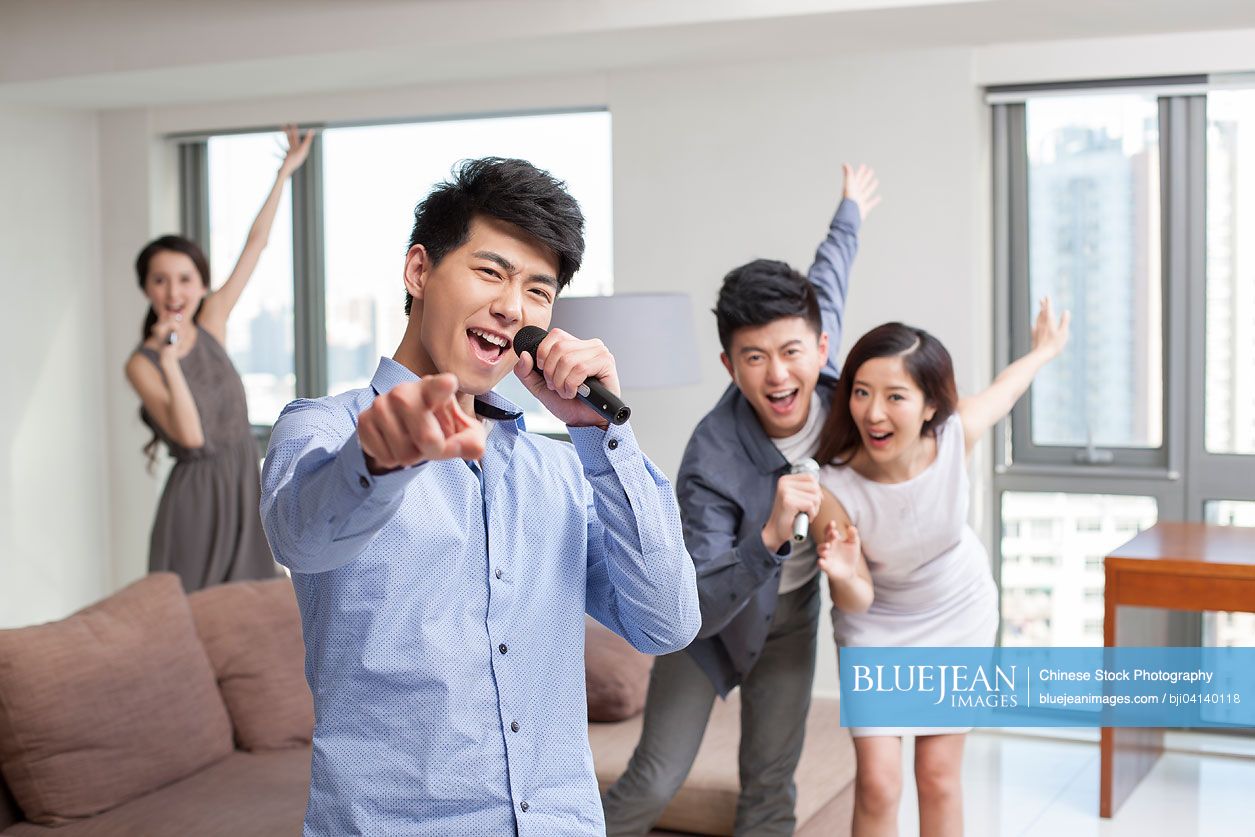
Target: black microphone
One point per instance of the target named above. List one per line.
(608, 405)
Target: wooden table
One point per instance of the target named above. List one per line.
(1176, 566)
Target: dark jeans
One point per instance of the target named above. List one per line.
(775, 699)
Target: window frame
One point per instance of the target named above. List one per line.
(1182, 475)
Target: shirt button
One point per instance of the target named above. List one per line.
(503, 648)
(612, 444)
(498, 572)
(514, 726)
(767, 618)
(523, 806)
(363, 482)
(767, 562)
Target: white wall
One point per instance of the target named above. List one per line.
(138, 202)
(54, 532)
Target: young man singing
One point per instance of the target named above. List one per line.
(443, 559)
(759, 591)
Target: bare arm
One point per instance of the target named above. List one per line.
(981, 411)
(168, 400)
(841, 557)
(217, 306)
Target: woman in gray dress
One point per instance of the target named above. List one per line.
(207, 527)
(904, 567)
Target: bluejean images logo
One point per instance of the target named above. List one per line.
(961, 685)
(1009, 687)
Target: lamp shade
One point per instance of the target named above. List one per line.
(650, 335)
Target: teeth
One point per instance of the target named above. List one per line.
(780, 396)
(491, 338)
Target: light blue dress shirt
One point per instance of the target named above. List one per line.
(443, 610)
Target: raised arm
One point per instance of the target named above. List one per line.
(841, 556)
(830, 272)
(217, 306)
(981, 411)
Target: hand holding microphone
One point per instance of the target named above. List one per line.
(164, 334)
(802, 522)
(559, 368)
(796, 503)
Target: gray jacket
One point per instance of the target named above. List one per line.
(727, 483)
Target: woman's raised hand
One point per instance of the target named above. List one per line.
(296, 151)
(1050, 335)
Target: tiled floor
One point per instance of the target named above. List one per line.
(1040, 787)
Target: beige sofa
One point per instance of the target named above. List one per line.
(157, 713)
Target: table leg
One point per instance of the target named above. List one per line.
(1127, 753)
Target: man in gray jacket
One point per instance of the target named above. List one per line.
(759, 591)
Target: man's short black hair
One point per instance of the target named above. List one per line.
(762, 292)
(508, 190)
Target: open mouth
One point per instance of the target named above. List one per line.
(782, 401)
(487, 346)
(879, 439)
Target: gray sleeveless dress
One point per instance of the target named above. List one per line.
(930, 572)
(208, 529)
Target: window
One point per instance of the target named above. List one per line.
(1093, 247)
(327, 300)
(259, 332)
(1118, 199)
(1042, 601)
(1230, 306)
(1041, 529)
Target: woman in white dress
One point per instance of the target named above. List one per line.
(903, 566)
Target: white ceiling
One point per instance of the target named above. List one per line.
(118, 53)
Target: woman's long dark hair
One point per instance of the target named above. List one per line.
(926, 361)
(174, 244)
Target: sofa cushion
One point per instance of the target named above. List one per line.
(252, 632)
(107, 704)
(706, 803)
(244, 795)
(616, 675)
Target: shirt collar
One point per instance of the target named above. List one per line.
(490, 405)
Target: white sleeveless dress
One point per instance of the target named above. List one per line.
(930, 572)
